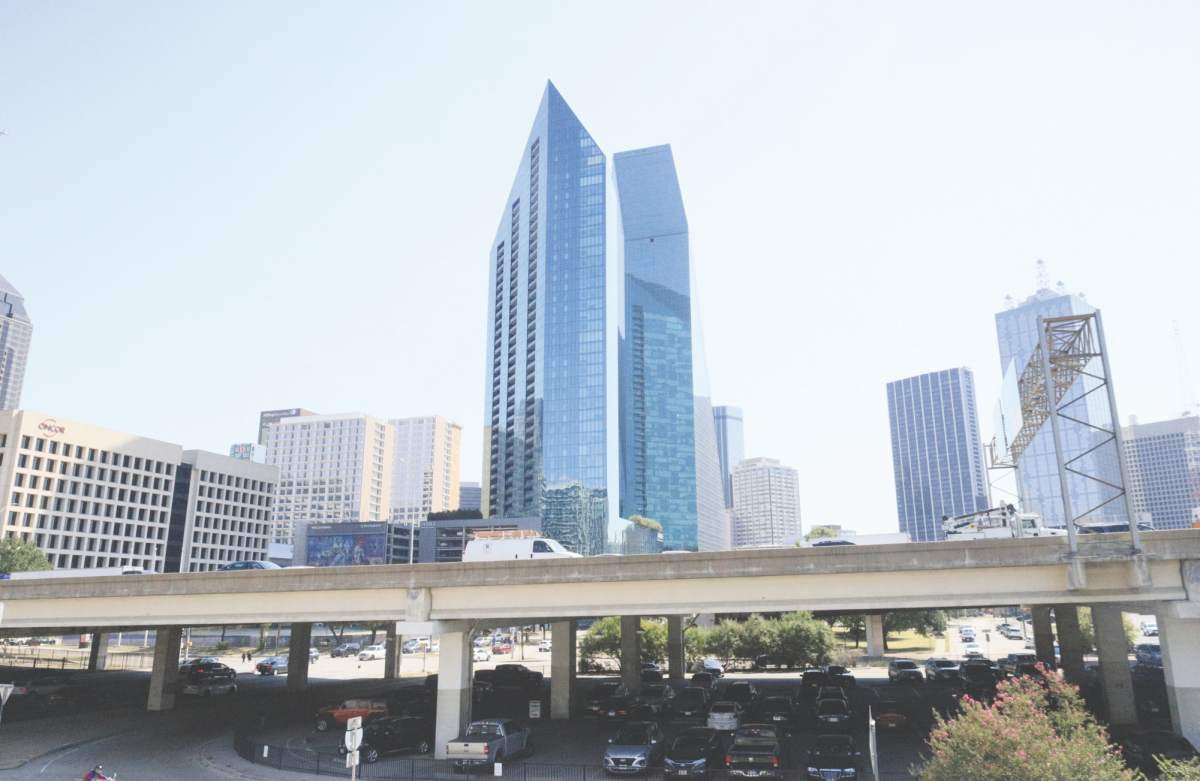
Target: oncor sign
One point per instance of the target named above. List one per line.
(50, 427)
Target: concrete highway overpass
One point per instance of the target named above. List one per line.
(1163, 579)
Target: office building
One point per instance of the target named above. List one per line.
(331, 468)
(731, 447)
(425, 467)
(265, 419)
(937, 457)
(1040, 490)
(469, 496)
(766, 503)
(354, 544)
(16, 330)
(221, 512)
(249, 451)
(88, 497)
(1163, 461)
(545, 441)
(669, 461)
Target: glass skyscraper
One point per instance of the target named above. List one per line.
(936, 453)
(1016, 330)
(16, 329)
(669, 466)
(731, 446)
(545, 444)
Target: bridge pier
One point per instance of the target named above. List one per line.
(875, 635)
(391, 662)
(631, 656)
(563, 668)
(1180, 642)
(454, 689)
(166, 667)
(98, 652)
(1070, 642)
(676, 658)
(300, 642)
(1112, 647)
(1043, 636)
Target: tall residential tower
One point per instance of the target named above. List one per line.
(425, 456)
(545, 443)
(16, 329)
(766, 503)
(669, 465)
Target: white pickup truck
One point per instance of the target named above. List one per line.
(488, 742)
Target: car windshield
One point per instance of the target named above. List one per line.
(836, 670)
(832, 708)
(755, 736)
(483, 729)
(689, 743)
(832, 750)
(944, 663)
(724, 707)
(633, 736)
(906, 665)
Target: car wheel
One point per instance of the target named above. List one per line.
(423, 747)
(324, 724)
(372, 756)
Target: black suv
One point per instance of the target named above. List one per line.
(693, 703)
(777, 711)
(698, 751)
(398, 733)
(833, 757)
(345, 649)
(600, 694)
(743, 693)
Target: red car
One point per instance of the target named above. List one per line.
(502, 648)
(889, 716)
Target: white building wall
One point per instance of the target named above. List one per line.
(228, 510)
(766, 503)
(425, 467)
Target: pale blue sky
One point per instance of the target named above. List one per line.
(218, 208)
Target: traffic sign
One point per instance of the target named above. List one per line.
(351, 759)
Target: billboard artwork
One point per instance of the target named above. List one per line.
(346, 550)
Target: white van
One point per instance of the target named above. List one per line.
(508, 550)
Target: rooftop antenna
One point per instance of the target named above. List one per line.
(1062, 288)
(1043, 278)
(1187, 398)
(1009, 303)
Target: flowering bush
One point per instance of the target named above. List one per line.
(1035, 729)
(1179, 770)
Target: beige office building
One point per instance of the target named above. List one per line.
(766, 503)
(228, 511)
(425, 467)
(88, 497)
(332, 468)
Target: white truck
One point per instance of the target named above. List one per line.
(997, 523)
(494, 548)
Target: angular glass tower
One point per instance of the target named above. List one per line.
(731, 447)
(16, 329)
(545, 445)
(669, 469)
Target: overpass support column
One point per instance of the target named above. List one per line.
(391, 662)
(454, 690)
(1112, 647)
(562, 669)
(98, 653)
(166, 667)
(631, 653)
(676, 658)
(1043, 636)
(1070, 642)
(298, 647)
(874, 626)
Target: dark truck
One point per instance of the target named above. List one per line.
(510, 676)
(1011, 664)
(756, 752)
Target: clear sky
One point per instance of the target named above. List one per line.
(219, 208)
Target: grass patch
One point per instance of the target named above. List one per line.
(909, 642)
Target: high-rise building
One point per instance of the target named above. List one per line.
(937, 457)
(331, 468)
(425, 467)
(766, 503)
(731, 447)
(1040, 491)
(469, 496)
(16, 329)
(545, 406)
(669, 462)
(1163, 461)
(265, 419)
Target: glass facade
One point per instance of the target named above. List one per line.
(669, 466)
(936, 454)
(16, 330)
(1164, 470)
(731, 446)
(1016, 330)
(545, 451)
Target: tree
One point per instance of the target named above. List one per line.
(724, 641)
(653, 646)
(923, 622)
(18, 555)
(1087, 631)
(757, 637)
(799, 640)
(855, 624)
(817, 532)
(605, 641)
(375, 626)
(645, 523)
(1034, 730)
(695, 645)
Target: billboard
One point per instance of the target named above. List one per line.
(346, 544)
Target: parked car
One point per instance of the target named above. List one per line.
(1150, 627)
(697, 751)
(972, 649)
(511, 676)
(889, 715)
(826, 693)
(345, 649)
(481, 655)
(1010, 663)
(624, 707)
(725, 716)
(190, 664)
(480, 690)
(713, 666)
(207, 687)
(38, 687)
(545, 645)
(1140, 747)
(900, 670)
(371, 653)
(203, 670)
(743, 693)
(833, 716)
(777, 711)
(693, 703)
(661, 699)
(636, 748)
(237, 566)
(396, 733)
(978, 678)
(600, 694)
(832, 757)
(489, 742)
(840, 675)
(652, 674)
(811, 681)
(1148, 654)
(757, 751)
(940, 670)
(1150, 690)
(704, 681)
(272, 665)
(368, 710)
